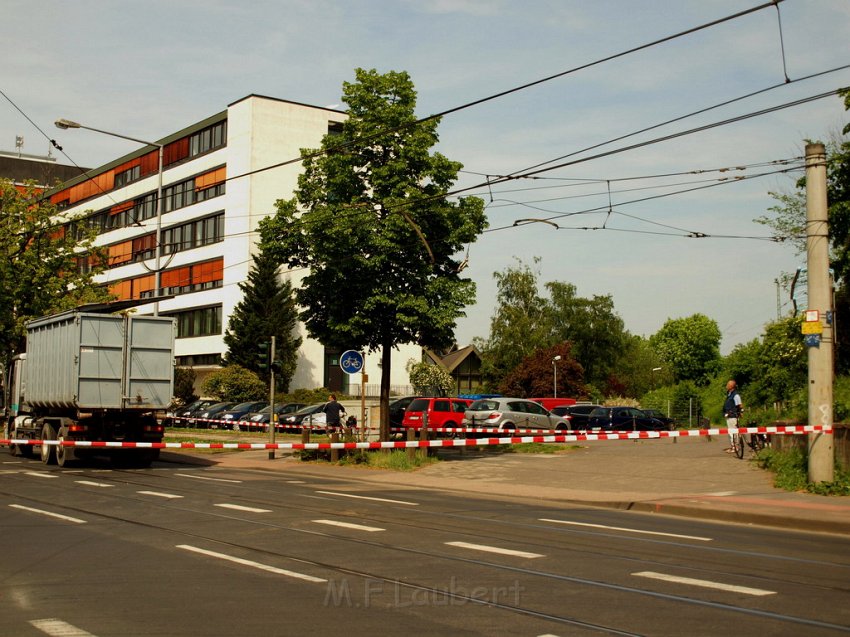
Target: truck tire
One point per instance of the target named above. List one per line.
(48, 454)
(64, 454)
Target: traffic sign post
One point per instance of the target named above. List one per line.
(352, 362)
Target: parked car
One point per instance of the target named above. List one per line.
(511, 413)
(309, 414)
(442, 412)
(551, 403)
(576, 415)
(259, 420)
(622, 419)
(181, 415)
(201, 418)
(396, 409)
(230, 417)
(659, 415)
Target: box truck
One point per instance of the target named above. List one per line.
(89, 376)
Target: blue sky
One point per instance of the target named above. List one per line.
(148, 69)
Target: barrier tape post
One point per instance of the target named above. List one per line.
(411, 450)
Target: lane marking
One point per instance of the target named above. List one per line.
(58, 628)
(620, 528)
(296, 482)
(257, 565)
(365, 497)
(52, 515)
(349, 525)
(186, 475)
(89, 483)
(239, 507)
(159, 495)
(493, 549)
(744, 590)
(40, 474)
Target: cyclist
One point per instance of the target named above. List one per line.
(732, 410)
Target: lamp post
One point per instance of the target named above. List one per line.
(654, 369)
(65, 124)
(555, 374)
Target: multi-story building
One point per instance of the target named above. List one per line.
(220, 177)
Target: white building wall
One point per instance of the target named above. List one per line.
(261, 132)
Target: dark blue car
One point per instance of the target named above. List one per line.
(622, 419)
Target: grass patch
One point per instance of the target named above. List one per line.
(791, 473)
(538, 447)
(394, 460)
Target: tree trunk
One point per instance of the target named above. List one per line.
(386, 352)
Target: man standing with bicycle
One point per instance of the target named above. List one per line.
(732, 409)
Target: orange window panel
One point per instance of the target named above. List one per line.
(120, 252)
(121, 207)
(178, 277)
(175, 151)
(208, 271)
(210, 179)
(123, 290)
(142, 284)
(144, 243)
(149, 164)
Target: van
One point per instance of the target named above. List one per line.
(442, 412)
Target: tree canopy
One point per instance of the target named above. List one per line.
(267, 309)
(39, 273)
(690, 346)
(373, 224)
(536, 375)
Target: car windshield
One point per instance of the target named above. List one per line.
(420, 404)
(484, 405)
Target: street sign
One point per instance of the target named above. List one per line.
(812, 316)
(812, 328)
(351, 362)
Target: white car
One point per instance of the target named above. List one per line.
(512, 413)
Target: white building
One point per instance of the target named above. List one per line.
(221, 176)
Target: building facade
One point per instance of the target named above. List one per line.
(220, 177)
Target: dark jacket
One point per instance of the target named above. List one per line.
(334, 410)
(730, 409)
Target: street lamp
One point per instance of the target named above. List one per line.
(555, 374)
(65, 124)
(654, 369)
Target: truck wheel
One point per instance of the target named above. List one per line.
(47, 453)
(64, 454)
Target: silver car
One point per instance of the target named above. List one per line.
(512, 413)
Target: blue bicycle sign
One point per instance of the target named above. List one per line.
(351, 362)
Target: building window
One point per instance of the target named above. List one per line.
(145, 207)
(208, 139)
(205, 321)
(195, 234)
(193, 360)
(128, 176)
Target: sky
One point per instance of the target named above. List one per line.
(624, 218)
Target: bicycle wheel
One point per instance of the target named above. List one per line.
(757, 442)
(738, 444)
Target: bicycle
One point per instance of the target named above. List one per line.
(755, 441)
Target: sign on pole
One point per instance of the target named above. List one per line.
(351, 362)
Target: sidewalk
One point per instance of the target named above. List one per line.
(690, 477)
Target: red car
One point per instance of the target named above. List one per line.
(442, 412)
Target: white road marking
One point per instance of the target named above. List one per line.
(366, 497)
(296, 482)
(705, 583)
(239, 507)
(186, 475)
(349, 525)
(52, 515)
(258, 565)
(159, 495)
(58, 628)
(493, 549)
(620, 528)
(40, 474)
(720, 494)
(89, 483)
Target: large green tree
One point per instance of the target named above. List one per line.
(690, 346)
(39, 274)
(372, 223)
(267, 309)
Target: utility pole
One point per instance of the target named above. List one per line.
(820, 345)
(272, 423)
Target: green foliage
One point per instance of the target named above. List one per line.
(429, 380)
(525, 322)
(534, 377)
(234, 383)
(267, 309)
(372, 223)
(309, 396)
(38, 264)
(690, 346)
(790, 469)
(184, 385)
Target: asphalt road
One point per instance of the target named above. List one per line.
(190, 550)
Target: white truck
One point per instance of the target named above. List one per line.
(89, 376)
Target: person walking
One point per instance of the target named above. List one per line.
(333, 412)
(732, 409)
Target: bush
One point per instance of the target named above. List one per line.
(791, 473)
(236, 384)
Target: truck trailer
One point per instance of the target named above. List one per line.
(89, 376)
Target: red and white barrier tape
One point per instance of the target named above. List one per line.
(407, 444)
